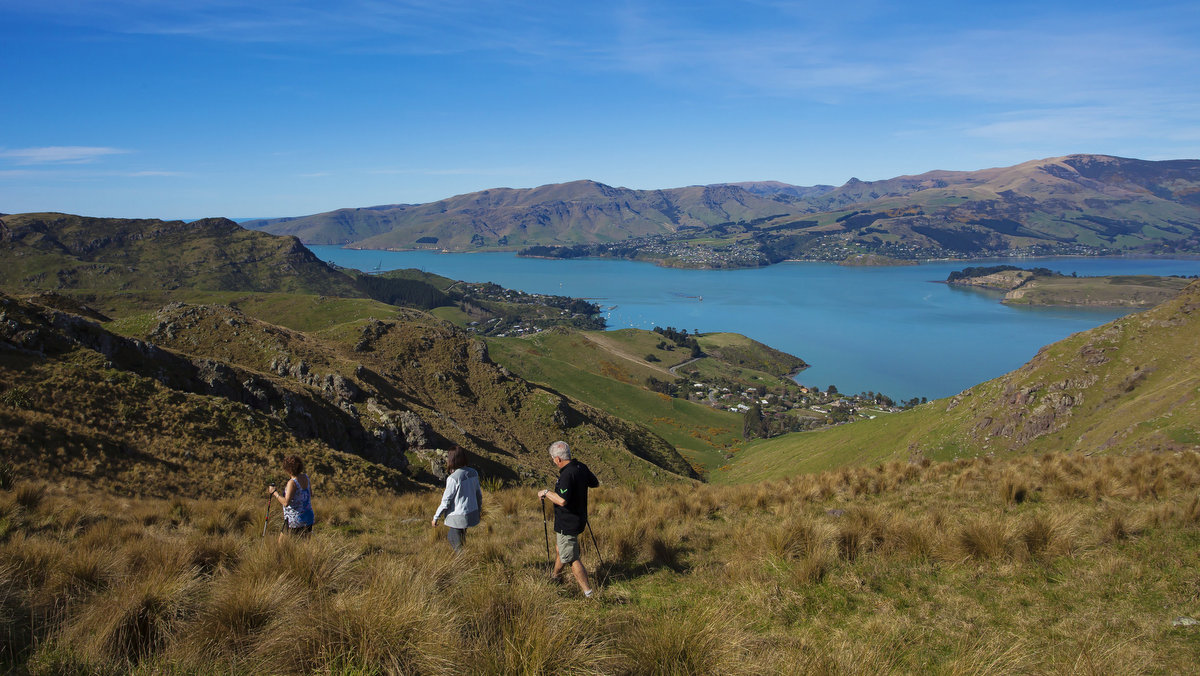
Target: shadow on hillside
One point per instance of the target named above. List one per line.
(619, 571)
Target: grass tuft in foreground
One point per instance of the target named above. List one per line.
(923, 567)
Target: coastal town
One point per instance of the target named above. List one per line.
(769, 412)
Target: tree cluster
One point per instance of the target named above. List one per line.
(878, 398)
(410, 292)
(681, 338)
(662, 386)
(983, 271)
(753, 424)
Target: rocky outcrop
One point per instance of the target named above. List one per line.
(1036, 410)
(317, 411)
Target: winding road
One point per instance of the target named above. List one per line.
(681, 364)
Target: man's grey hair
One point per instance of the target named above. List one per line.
(560, 450)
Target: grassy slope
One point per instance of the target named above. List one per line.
(1051, 565)
(576, 365)
(1130, 384)
(738, 351)
(1119, 290)
(420, 365)
(72, 414)
(300, 312)
(609, 370)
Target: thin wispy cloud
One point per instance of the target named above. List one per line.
(506, 171)
(72, 174)
(58, 154)
(1035, 54)
(153, 174)
(1034, 60)
(1064, 124)
(1036, 77)
(412, 26)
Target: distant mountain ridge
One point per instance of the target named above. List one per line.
(1096, 203)
(576, 212)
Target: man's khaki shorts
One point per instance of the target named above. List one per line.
(568, 547)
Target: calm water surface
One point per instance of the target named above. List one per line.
(890, 329)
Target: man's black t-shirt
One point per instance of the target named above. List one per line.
(574, 480)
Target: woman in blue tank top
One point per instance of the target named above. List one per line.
(298, 517)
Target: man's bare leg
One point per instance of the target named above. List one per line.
(581, 576)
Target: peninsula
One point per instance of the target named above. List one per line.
(1039, 286)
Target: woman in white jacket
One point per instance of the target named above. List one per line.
(462, 498)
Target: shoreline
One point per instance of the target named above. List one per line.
(664, 263)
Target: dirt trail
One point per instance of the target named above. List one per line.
(608, 346)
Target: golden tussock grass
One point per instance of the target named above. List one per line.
(1048, 564)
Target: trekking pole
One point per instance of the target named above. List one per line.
(546, 532)
(597, 546)
(268, 519)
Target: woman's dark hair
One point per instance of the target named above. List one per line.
(456, 458)
(293, 465)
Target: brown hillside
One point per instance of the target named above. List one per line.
(391, 393)
(60, 251)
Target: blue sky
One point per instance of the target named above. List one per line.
(183, 109)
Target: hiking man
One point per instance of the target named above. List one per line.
(569, 496)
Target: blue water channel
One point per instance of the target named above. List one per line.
(894, 330)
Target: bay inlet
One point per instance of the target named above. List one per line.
(895, 330)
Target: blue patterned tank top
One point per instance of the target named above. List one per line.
(298, 511)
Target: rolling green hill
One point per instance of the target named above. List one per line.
(1110, 291)
(1132, 384)
(610, 370)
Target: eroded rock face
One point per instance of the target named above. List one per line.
(334, 386)
(403, 429)
(371, 333)
(479, 352)
(1036, 410)
(958, 399)
(417, 433)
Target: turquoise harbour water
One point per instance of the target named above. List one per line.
(889, 329)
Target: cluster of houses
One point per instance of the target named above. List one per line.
(733, 256)
(536, 312)
(828, 404)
